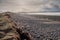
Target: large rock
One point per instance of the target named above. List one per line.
(9, 30)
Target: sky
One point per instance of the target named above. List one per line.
(29, 5)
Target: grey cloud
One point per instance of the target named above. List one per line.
(29, 5)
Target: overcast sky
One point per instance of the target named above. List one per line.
(29, 5)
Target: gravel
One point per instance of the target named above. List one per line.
(38, 29)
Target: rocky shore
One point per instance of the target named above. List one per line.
(9, 29)
(37, 28)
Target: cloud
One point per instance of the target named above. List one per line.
(29, 5)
